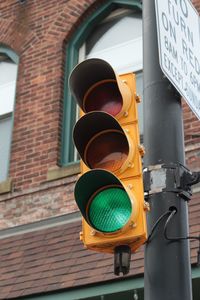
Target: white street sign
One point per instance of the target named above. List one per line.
(178, 28)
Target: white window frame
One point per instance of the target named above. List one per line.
(7, 89)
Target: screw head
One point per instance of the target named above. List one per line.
(141, 150)
(130, 186)
(137, 98)
(146, 206)
(81, 235)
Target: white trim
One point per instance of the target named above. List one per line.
(125, 57)
(82, 51)
(7, 97)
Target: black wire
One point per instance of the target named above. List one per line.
(156, 224)
(171, 214)
(176, 238)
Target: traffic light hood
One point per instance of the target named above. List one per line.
(94, 75)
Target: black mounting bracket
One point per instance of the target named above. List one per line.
(173, 177)
(122, 257)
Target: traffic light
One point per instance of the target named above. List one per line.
(109, 191)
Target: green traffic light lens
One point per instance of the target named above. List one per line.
(110, 209)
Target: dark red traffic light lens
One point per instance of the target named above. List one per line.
(107, 150)
(104, 96)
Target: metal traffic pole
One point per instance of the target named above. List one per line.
(167, 274)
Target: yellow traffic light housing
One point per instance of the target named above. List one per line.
(109, 192)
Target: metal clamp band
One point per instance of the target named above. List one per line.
(173, 177)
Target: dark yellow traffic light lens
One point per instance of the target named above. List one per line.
(110, 210)
(107, 150)
(104, 96)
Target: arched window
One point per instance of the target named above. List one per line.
(8, 76)
(117, 39)
(114, 34)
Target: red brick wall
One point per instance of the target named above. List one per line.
(196, 4)
(49, 200)
(37, 31)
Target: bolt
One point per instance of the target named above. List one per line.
(81, 235)
(141, 150)
(137, 98)
(133, 224)
(93, 232)
(130, 186)
(146, 206)
(130, 165)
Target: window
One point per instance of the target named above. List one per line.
(105, 35)
(8, 74)
(118, 39)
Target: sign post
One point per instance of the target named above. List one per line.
(167, 262)
(178, 29)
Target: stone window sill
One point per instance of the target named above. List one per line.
(6, 186)
(57, 173)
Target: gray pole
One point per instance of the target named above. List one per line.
(167, 273)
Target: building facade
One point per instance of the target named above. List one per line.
(40, 43)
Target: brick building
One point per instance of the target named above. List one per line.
(40, 43)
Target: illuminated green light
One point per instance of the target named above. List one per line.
(110, 209)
